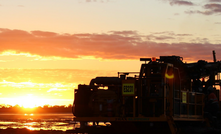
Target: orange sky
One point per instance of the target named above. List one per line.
(82, 39)
(43, 86)
(124, 45)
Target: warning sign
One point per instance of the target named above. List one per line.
(183, 97)
(128, 89)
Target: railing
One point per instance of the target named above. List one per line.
(188, 104)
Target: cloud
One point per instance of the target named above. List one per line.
(214, 0)
(49, 77)
(181, 3)
(209, 9)
(126, 33)
(56, 89)
(102, 1)
(199, 12)
(112, 45)
(162, 37)
(167, 35)
(213, 7)
(176, 14)
(172, 33)
(43, 34)
(20, 5)
(217, 23)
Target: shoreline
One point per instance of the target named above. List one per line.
(27, 131)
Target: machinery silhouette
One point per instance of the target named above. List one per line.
(166, 94)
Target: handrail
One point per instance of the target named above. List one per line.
(191, 104)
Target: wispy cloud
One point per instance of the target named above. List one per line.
(88, 1)
(217, 23)
(167, 35)
(213, 7)
(181, 3)
(176, 14)
(112, 45)
(208, 9)
(56, 89)
(21, 6)
(214, 0)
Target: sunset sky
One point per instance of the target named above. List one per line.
(82, 39)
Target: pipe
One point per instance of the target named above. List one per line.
(106, 81)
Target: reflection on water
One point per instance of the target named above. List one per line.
(37, 121)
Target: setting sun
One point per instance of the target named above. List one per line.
(50, 48)
(32, 88)
(29, 101)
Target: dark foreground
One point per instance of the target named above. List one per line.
(193, 130)
(26, 131)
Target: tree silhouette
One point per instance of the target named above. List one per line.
(44, 109)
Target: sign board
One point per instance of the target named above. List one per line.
(183, 97)
(128, 88)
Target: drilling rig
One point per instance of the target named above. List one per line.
(166, 92)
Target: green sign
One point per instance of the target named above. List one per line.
(183, 97)
(128, 89)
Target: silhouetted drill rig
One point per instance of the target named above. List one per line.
(166, 94)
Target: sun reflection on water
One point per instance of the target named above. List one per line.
(30, 128)
(38, 122)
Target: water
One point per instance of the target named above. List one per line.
(61, 122)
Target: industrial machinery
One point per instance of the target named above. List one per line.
(165, 93)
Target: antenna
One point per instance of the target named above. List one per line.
(214, 56)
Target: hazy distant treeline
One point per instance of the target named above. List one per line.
(44, 109)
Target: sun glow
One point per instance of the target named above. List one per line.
(11, 52)
(39, 57)
(30, 93)
(30, 101)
